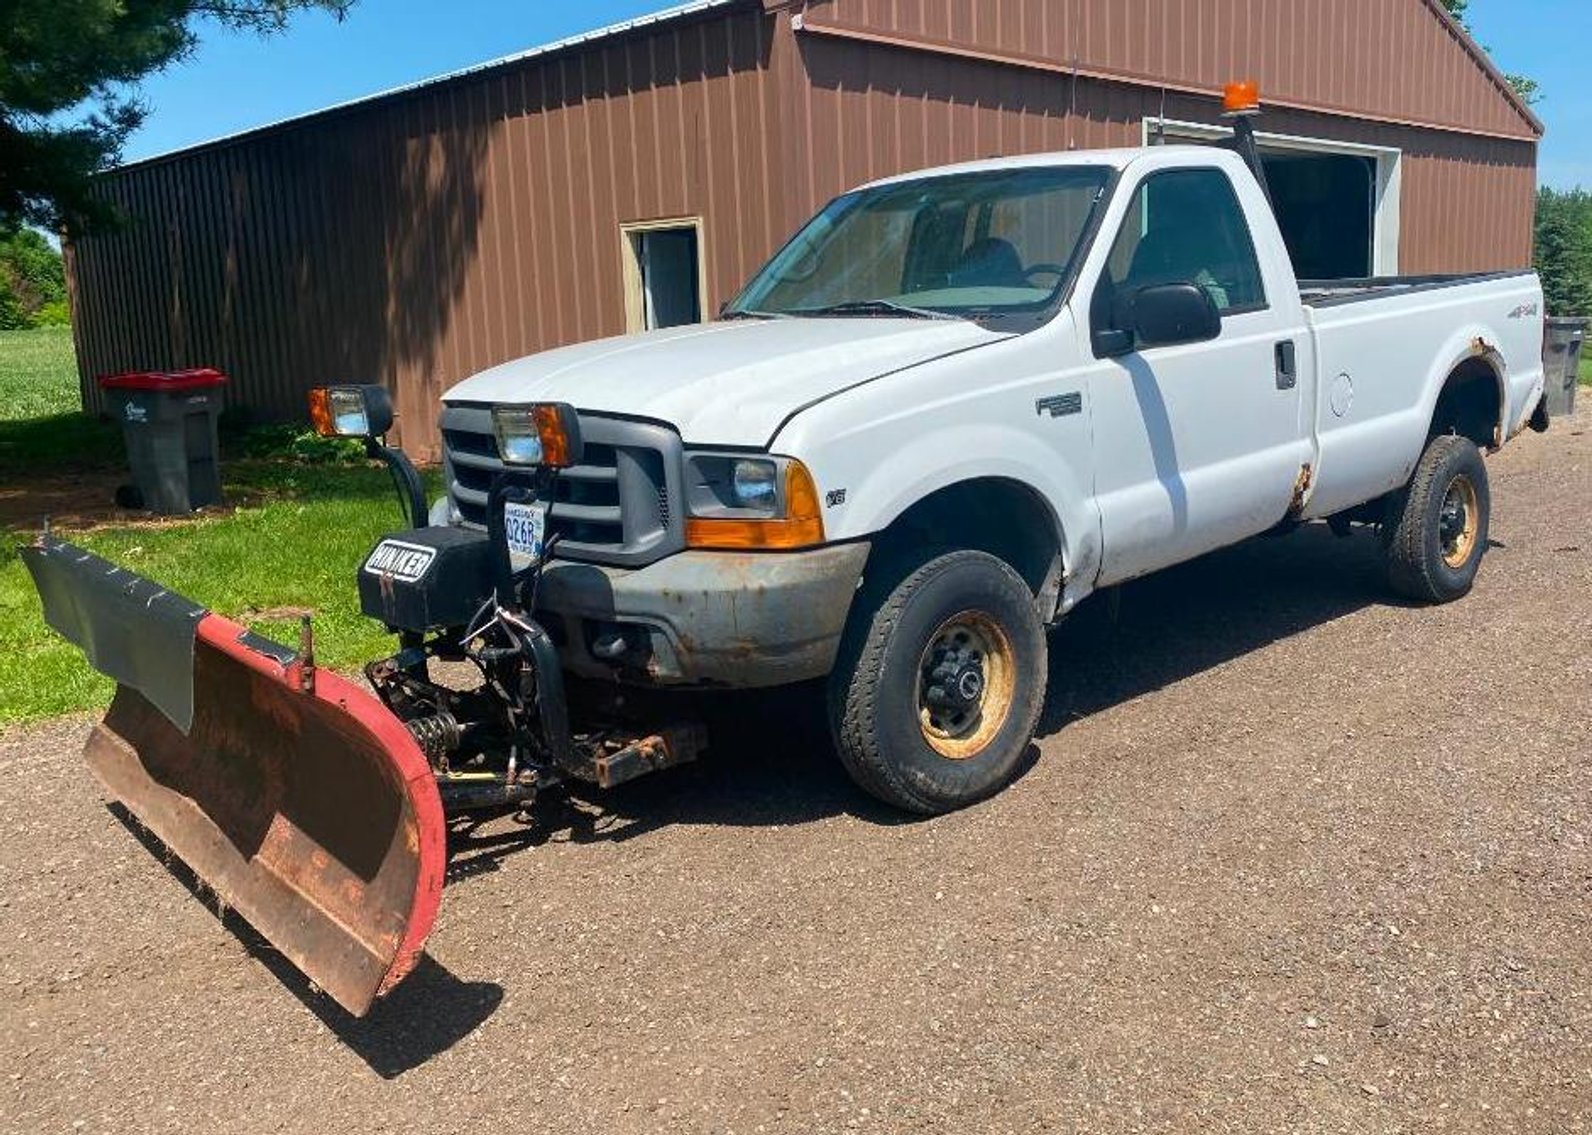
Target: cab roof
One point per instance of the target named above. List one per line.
(1118, 159)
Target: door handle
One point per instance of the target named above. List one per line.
(1287, 365)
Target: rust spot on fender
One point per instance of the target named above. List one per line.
(1301, 489)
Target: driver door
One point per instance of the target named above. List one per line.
(1196, 445)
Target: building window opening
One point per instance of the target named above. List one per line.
(1326, 208)
(663, 275)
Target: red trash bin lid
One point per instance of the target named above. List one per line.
(172, 381)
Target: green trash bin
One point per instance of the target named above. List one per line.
(169, 419)
(1561, 364)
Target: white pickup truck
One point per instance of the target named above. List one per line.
(959, 401)
(953, 406)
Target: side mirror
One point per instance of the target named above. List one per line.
(1112, 343)
(351, 411)
(1169, 314)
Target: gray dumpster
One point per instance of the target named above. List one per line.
(169, 421)
(1561, 360)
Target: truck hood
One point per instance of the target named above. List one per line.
(729, 383)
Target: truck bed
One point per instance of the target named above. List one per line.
(1380, 365)
(1332, 293)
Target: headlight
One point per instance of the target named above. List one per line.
(351, 411)
(545, 433)
(754, 484)
(519, 441)
(750, 502)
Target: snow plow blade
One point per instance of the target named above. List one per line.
(290, 792)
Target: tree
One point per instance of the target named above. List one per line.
(32, 281)
(1564, 250)
(68, 100)
(1529, 90)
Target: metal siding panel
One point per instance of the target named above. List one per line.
(495, 210)
(532, 161)
(1313, 55)
(1455, 216)
(591, 276)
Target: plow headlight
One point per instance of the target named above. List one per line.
(737, 502)
(544, 433)
(351, 411)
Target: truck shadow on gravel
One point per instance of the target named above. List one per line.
(1154, 632)
(770, 762)
(427, 1014)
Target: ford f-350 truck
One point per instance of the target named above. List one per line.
(951, 407)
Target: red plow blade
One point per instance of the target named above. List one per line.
(292, 794)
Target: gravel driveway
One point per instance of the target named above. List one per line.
(1291, 857)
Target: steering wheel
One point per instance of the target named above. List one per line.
(1056, 270)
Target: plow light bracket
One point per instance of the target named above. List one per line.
(365, 412)
(545, 434)
(351, 411)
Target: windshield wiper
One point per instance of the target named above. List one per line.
(742, 313)
(875, 307)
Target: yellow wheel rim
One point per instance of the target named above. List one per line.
(1459, 521)
(966, 685)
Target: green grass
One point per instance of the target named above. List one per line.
(308, 518)
(42, 426)
(38, 374)
(1586, 370)
(299, 547)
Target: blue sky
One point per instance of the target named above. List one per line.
(235, 81)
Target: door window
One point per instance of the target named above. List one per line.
(1186, 227)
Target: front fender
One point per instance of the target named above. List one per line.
(878, 492)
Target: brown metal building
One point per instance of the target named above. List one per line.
(638, 175)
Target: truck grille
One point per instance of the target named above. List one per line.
(619, 506)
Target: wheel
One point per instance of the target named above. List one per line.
(940, 682)
(1435, 533)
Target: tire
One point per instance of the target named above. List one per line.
(917, 635)
(1435, 533)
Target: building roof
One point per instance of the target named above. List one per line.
(666, 15)
(691, 8)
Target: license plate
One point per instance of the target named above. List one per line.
(525, 525)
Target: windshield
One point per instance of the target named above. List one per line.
(957, 246)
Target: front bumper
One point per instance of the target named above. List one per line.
(733, 619)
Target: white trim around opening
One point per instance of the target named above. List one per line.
(639, 313)
(1389, 175)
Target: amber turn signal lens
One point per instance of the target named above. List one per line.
(802, 525)
(555, 439)
(321, 412)
(1242, 97)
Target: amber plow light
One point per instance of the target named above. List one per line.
(351, 411)
(1241, 98)
(801, 526)
(543, 433)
